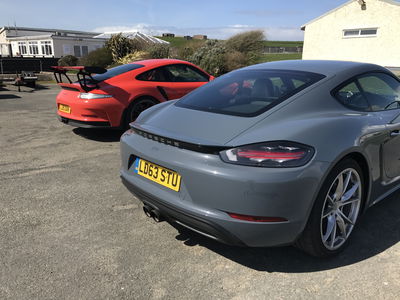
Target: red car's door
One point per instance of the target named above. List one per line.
(182, 79)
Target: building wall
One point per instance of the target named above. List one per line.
(60, 46)
(324, 39)
(64, 47)
(16, 50)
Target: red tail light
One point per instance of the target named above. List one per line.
(269, 154)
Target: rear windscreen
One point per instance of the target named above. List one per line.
(248, 92)
(116, 71)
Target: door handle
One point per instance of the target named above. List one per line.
(395, 133)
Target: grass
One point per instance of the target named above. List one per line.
(180, 42)
(266, 57)
(283, 43)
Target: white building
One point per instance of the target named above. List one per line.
(358, 30)
(39, 42)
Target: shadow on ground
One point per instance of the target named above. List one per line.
(9, 96)
(377, 230)
(99, 135)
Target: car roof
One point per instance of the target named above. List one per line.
(159, 62)
(324, 67)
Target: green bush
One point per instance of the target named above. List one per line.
(211, 57)
(247, 42)
(134, 56)
(159, 51)
(235, 60)
(68, 60)
(101, 57)
(121, 46)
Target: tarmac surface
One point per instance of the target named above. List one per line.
(69, 229)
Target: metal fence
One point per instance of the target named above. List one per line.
(12, 65)
(283, 49)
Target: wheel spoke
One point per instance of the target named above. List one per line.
(339, 188)
(343, 203)
(350, 192)
(342, 225)
(333, 235)
(345, 218)
(331, 223)
(347, 181)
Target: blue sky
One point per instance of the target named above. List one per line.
(281, 20)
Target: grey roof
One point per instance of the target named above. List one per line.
(325, 67)
(48, 30)
(133, 35)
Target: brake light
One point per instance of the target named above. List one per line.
(269, 154)
(93, 96)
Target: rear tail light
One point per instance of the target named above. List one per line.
(270, 154)
(93, 96)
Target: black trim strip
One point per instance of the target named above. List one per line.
(179, 144)
(163, 92)
(84, 124)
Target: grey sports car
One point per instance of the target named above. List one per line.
(280, 153)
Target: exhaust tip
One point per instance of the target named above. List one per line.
(157, 217)
(147, 211)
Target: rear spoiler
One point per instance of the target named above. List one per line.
(83, 74)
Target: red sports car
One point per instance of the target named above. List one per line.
(115, 97)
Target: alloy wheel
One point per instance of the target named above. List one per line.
(341, 208)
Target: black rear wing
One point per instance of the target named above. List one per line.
(85, 79)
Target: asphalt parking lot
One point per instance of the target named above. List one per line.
(70, 230)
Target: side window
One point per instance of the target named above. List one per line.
(184, 73)
(153, 75)
(381, 90)
(350, 95)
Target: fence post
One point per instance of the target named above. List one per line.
(41, 68)
(1, 66)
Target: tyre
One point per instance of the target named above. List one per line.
(335, 211)
(136, 107)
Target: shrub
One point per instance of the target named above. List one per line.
(134, 56)
(68, 60)
(159, 51)
(101, 57)
(246, 42)
(121, 46)
(235, 60)
(211, 57)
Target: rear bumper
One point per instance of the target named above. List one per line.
(84, 124)
(185, 218)
(210, 188)
(90, 112)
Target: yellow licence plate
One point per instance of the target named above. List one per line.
(64, 108)
(158, 174)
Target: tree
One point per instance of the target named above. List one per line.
(246, 42)
(211, 57)
(120, 46)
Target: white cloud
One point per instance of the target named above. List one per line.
(223, 32)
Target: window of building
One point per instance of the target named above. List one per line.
(77, 51)
(362, 32)
(47, 48)
(22, 48)
(85, 50)
(33, 48)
